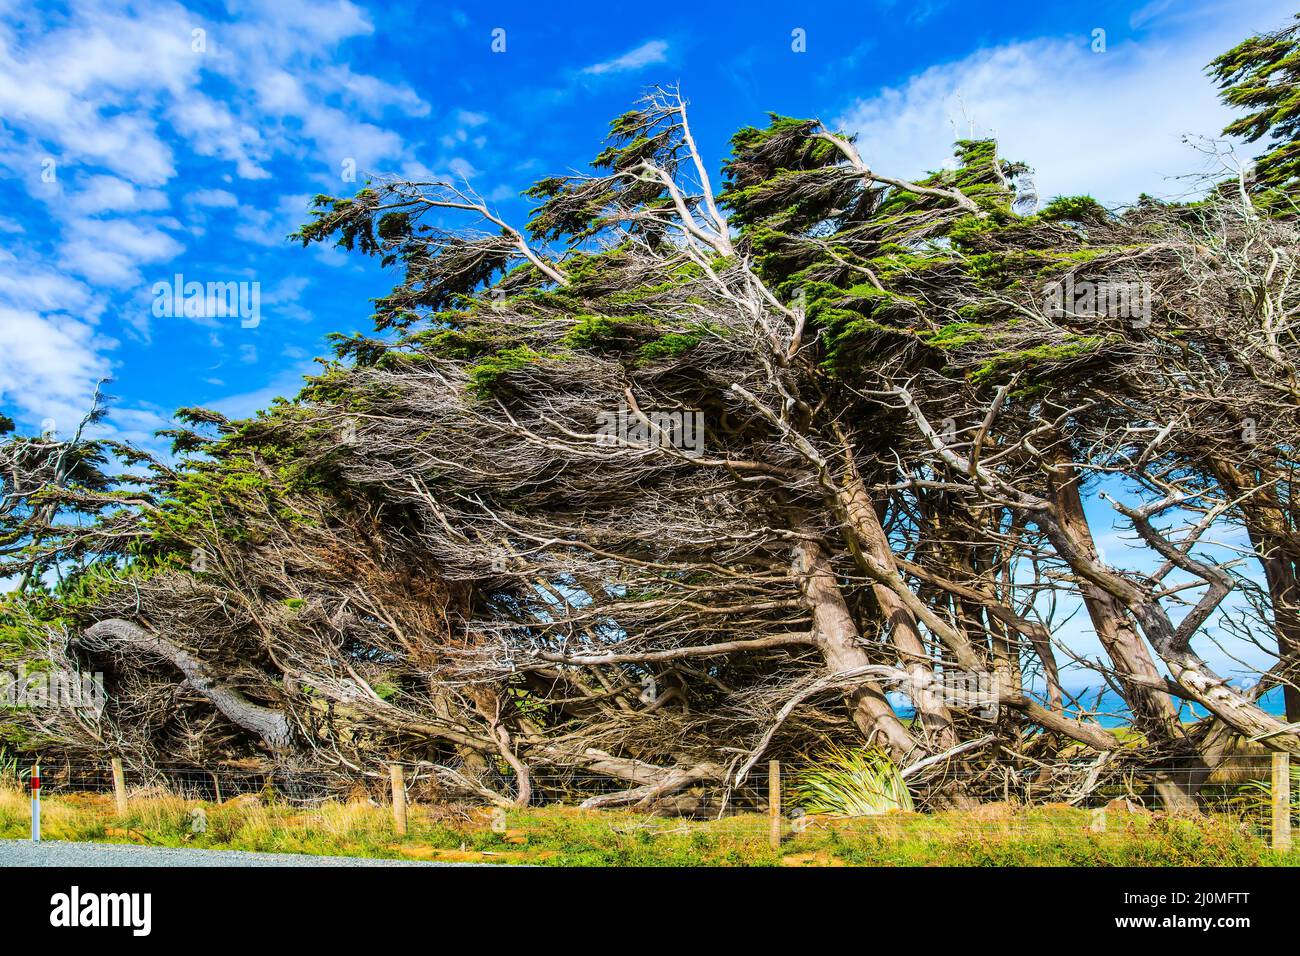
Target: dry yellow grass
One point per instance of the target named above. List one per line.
(995, 835)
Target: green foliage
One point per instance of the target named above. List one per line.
(853, 783)
(1262, 75)
(895, 280)
(12, 770)
(757, 154)
(672, 345)
(455, 343)
(1078, 347)
(1255, 798)
(564, 836)
(1080, 209)
(600, 332)
(489, 373)
(956, 335)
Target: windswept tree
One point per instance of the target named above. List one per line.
(1259, 75)
(671, 478)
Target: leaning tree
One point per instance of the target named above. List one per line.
(671, 479)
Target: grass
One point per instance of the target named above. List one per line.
(854, 783)
(564, 836)
(1256, 796)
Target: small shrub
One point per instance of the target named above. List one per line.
(854, 783)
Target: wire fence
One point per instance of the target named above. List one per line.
(1241, 793)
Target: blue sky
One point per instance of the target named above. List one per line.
(134, 148)
(166, 159)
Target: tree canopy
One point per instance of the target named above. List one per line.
(672, 479)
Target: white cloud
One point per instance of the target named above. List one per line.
(1108, 124)
(465, 122)
(270, 227)
(652, 51)
(100, 87)
(49, 364)
(137, 426)
(462, 168)
(211, 129)
(111, 251)
(25, 284)
(337, 136)
(1147, 13)
(216, 198)
(103, 193)
(373, 95)
(77, 90)
(292, 26)
(116, 97)
(285, 385)
(52, 351)
(283, 299)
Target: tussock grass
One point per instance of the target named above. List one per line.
(852, 782)
(992, 836)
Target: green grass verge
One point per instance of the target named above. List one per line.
(560, 836)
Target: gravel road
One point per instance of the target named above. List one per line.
(57, 853)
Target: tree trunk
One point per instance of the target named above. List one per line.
(1154, 712)
(869, 535)
(266, 722)
(837, 638)
(1274, 542)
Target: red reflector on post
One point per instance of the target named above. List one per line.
(36, 782)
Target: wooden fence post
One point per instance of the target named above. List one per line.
(1281, 801)
(774, 802)
(119, 786)
(399, 798)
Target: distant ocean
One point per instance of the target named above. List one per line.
(1112, 711)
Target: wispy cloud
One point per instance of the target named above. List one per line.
(1110, 124)
(652, 51)
(121, 121)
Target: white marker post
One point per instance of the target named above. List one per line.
(36, 804)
